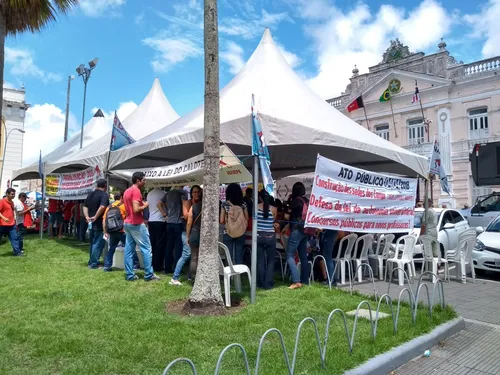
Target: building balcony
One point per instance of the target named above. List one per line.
(340, 102)
(482, 67)
(423, 149)
(462, 149)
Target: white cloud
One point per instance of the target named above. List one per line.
(44, 125)
(101, 8)
(486, 25)
(233, 56)
(171, 51)
(22, 64)
(139, 18)
(342, 39)
(291, 58)
(253, 26)
(7, 85)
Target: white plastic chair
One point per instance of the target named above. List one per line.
(346, 258)
(361, 256)
(405, 260)
(229, 271)
(462, 255)
(426, 243)
(382, 251)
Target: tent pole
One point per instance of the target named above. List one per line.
(42, 207)
(253, 286)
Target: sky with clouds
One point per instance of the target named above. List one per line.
(137, 41)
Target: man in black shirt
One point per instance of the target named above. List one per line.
(93, 209)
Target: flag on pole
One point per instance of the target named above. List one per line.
(416, 95)
(119, 136)
(259, 148)
(40, 166)
(386, 96)
(436, 167)
(356, 104)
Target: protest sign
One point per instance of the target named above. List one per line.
(355, 200)
(71, 186)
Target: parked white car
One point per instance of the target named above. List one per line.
(484, 210)
(486, 253)
(450, 224)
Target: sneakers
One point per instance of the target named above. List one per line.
(107, 269)
(175, 282)
(295, 286)
(134, 278)
(153, 278)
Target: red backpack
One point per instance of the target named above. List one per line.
(302, 221)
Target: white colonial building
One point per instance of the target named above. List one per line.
(11, 139)
(460, 105)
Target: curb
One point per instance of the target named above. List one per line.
(400, 355)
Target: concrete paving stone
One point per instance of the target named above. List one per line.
(474, 350)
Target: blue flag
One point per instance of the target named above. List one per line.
(259, 148)
(40, 166)
(119, 136)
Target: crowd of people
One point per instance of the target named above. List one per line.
(166, 225)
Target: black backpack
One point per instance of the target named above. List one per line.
(114, 219)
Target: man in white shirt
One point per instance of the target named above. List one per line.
(21, 209)
(157, 228)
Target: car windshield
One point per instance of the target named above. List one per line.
(494, 226)
(419, 216)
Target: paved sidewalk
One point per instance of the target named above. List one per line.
(473, 351)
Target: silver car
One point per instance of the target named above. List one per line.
(486, 253)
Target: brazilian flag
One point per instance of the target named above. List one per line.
(386, 96)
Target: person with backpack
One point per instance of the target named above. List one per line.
(298, 204)
(112, 223)
(266, 241)
(234, 216)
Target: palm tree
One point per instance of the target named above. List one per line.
(206, 293)
(18, 16)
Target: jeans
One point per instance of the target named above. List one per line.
(186, 255)
(137, 235)
(158, 238)
(266, 255)
(21, 231)
(195, 250)
(236, 247)
(329, 238)
(11, 232)
(174, 246)
(298, 242)
(96, 247)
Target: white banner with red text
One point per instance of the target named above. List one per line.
(72, 186)
(190, 172)
(354, 200)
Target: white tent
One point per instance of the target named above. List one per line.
(154, 113)
(92, 131)
(297, 125)
(191, 171)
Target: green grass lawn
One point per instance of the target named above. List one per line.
(58, 317)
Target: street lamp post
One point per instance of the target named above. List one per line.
(67, 108)
(85, 72)
(5, 147)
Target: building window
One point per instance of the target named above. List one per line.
(382, 131)
(416, 131)
(22, 111)
(478, 123)
(9, 109)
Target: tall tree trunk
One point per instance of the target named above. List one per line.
(206, 293)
